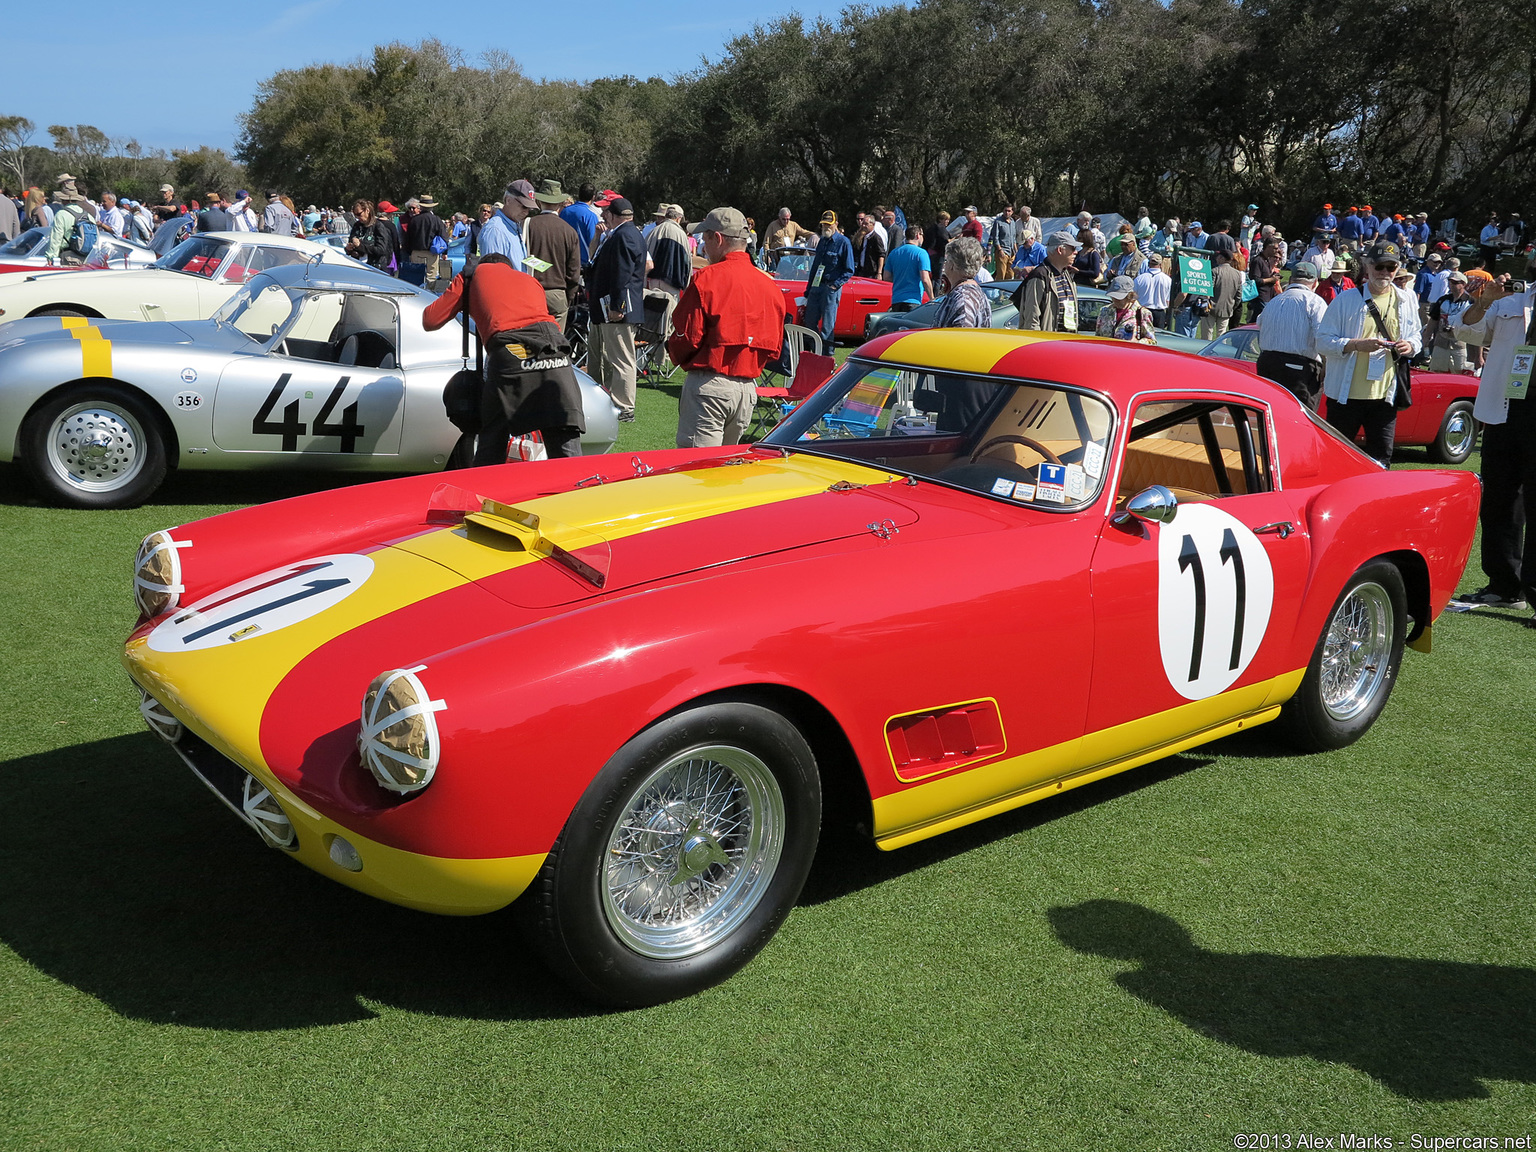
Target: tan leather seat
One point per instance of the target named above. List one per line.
(1176, 464)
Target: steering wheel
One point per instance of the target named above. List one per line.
(1050, 456)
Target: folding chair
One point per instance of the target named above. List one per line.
(812, 370)
(797, 339)
(651, 364)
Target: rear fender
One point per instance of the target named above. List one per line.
(1423, 520)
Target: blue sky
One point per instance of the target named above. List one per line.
(180, 82)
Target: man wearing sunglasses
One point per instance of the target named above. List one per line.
(1365, 336)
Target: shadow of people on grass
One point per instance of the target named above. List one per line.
(127, 879)
(1427, 1029)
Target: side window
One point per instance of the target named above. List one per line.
(254, 258)
(1202, 450)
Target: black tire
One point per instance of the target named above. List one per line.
(1457, 435)
(576, 911)
(131, 464)
(1336, 705)
(61, 312)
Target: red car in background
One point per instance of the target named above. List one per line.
(861, 297)
(1439, 419)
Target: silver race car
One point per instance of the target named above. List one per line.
(318, 366)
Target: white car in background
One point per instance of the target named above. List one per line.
(189, 283)
(29, 251)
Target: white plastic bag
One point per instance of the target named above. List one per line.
(528, 446)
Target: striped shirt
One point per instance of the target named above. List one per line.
(1289, 322)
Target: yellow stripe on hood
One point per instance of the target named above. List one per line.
(95, 349)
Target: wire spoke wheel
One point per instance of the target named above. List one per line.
(96, 447)
(1357, 651)
(694, 851)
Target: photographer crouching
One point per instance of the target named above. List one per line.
(529, 383)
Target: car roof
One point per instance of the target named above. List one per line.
(339, 277)
(1115, 367)
(269, 239)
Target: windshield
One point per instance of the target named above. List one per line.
(197, 255)
(260, 309)
(1033, 443)
(23, 244)
(793, 265)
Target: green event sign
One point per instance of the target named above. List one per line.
(1195, 273)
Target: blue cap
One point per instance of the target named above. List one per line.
(242, 195)
(1196, 224)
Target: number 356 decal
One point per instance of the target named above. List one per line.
(290, 427)
(1215, 589)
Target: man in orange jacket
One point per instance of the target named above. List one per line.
(728, 324)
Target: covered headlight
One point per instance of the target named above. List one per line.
(158, 717)
(399, 741)
(157, 584)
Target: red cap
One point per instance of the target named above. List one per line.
(1354, 208)
(386, 206)
(1398, 216)
(1367, 207)
(1328, 206)
(606, 197)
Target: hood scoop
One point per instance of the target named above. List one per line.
(519, 528)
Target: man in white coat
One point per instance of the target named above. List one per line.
(1364, 335)
(1504, 324)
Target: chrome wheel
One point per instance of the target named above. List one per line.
(1357, 651)
(1458, 433)
(694, 851)
(95, 447)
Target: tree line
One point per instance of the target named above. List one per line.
(1190, 107)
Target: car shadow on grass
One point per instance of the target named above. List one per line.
(128, 880)
(1429, 1030)
(848, 862)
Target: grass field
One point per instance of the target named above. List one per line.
(1235, 940)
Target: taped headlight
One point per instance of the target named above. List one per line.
(158, 717)
(157, 584)
(267, 816)
(399, 741)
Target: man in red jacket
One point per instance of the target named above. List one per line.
(728, 324)
(530, 385)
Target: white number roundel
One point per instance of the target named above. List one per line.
(263, 604)
(1215, 589)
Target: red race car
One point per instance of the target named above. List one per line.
(976, 569)
(861, 296)
(1440, 416)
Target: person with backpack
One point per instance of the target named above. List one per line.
(426, 239)
(72, 234)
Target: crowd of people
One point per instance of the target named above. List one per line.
(1340, 323)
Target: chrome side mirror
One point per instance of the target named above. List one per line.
(1155, 503)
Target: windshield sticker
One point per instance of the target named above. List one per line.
(263, 604)
(1023, 491)
(1093, 459)
(1002, 488)
(1077, 482)
(1051, 483)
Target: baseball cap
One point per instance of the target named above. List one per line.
(242, 194)
(972, 208)
(1062, 239)
(1253, 207)
(1306, 270)
(620, 206)
(386, 206)
(829, 217)
(1121, 286)
(1434, 256)
(1384, 250)
(606, 197)
(522, 192)
(166, 188)
(1367, 207)
(1458, 277)
(1193, 224)
(1154, 258)
(726, 221)
(1327, 205)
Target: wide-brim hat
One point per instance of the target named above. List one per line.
(427, 201)
(549, 192)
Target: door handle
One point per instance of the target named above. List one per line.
(1281, 528)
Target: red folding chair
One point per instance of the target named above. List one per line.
(812, 370)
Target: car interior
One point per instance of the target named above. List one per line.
(352, 328)
(1030, 442)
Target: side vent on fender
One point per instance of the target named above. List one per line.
(938, 740)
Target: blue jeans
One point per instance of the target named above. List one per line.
(1185, 323)
(821, 311)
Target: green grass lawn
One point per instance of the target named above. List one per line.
(1235, 940)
